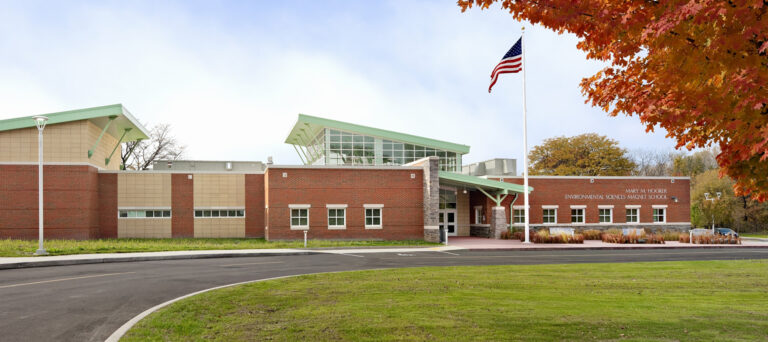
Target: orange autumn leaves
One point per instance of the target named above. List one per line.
(699, 69)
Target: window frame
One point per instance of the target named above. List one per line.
(380, 208)
(135, 211)
(600, 209)
(336, 207)
(299, 207)
(515, 216)
(582, 215)
(654, 215)
(636, 208)
(218, 212)
(478, 214)
(544, 215)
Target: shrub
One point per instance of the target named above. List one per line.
(592, 234)
(671, 235)
(506, 235)
(710, 239)
(633, 238)
(519, 236)
(543, 236)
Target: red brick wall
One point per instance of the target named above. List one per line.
(553, 191)
(108, 205)
(182, 206)
(254, 205)
(71, 202)
(401, 195)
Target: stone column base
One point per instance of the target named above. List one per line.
(498, 222)
(432, 234)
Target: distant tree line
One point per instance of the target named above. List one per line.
(591, 154)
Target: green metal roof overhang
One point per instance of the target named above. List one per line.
(307, 127)
(495, 190)
(116, 118)
(487, 185)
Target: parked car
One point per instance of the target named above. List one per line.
(726, 232)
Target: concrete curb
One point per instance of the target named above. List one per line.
(82, 259)
(755, 239)
(100, 260)
(611, 248)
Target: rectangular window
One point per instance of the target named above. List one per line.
(372, 217)
(519, 215)
(300, 218)
(633, 215)
(478, 215)
(143, 213)
(549, 216)
(605, 215)
(337, 218)
(218, 213)
(577, 215)
(659, 215)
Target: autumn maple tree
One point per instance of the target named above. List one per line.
(697, 68)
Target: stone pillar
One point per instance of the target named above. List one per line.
(431, 197)
(498, 222)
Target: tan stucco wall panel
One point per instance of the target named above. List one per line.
(220, 227)
(144, 190)
(62, 143)
(462, 214)
(144, 228)
(219, 190)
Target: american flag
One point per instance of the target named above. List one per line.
(510, 63)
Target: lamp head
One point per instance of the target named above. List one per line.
(40, 121)
(706, 195)
(719, 194)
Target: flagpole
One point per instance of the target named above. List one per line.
(525, 145)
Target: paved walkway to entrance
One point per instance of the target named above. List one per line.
(476, 243)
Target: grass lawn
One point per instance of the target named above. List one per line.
(19, 248)
(662, 301)
(763, 235)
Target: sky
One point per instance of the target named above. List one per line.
(231, 76)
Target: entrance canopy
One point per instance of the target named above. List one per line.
(495, 190)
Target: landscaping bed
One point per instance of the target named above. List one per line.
(709, 239)
(543, 236)
(661, 301)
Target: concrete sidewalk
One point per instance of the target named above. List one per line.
(475, 243)
(455, 244)
(76, 259)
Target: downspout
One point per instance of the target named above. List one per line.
(512, 213)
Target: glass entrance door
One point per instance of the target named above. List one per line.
(447, 221)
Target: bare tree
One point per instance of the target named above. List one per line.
(139, 155)
(653, 162)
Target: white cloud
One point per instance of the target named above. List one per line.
(232, 87)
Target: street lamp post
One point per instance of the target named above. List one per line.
(40, 122)
(707, 197)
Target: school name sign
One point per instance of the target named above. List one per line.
(629, 194)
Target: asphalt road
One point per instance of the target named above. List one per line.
(88, 302)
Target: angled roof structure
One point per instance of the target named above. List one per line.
(307, 127)
(99, 116)
(451, 178)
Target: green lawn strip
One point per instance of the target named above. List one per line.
(755, 235)
(20, 248)
(662, 301)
